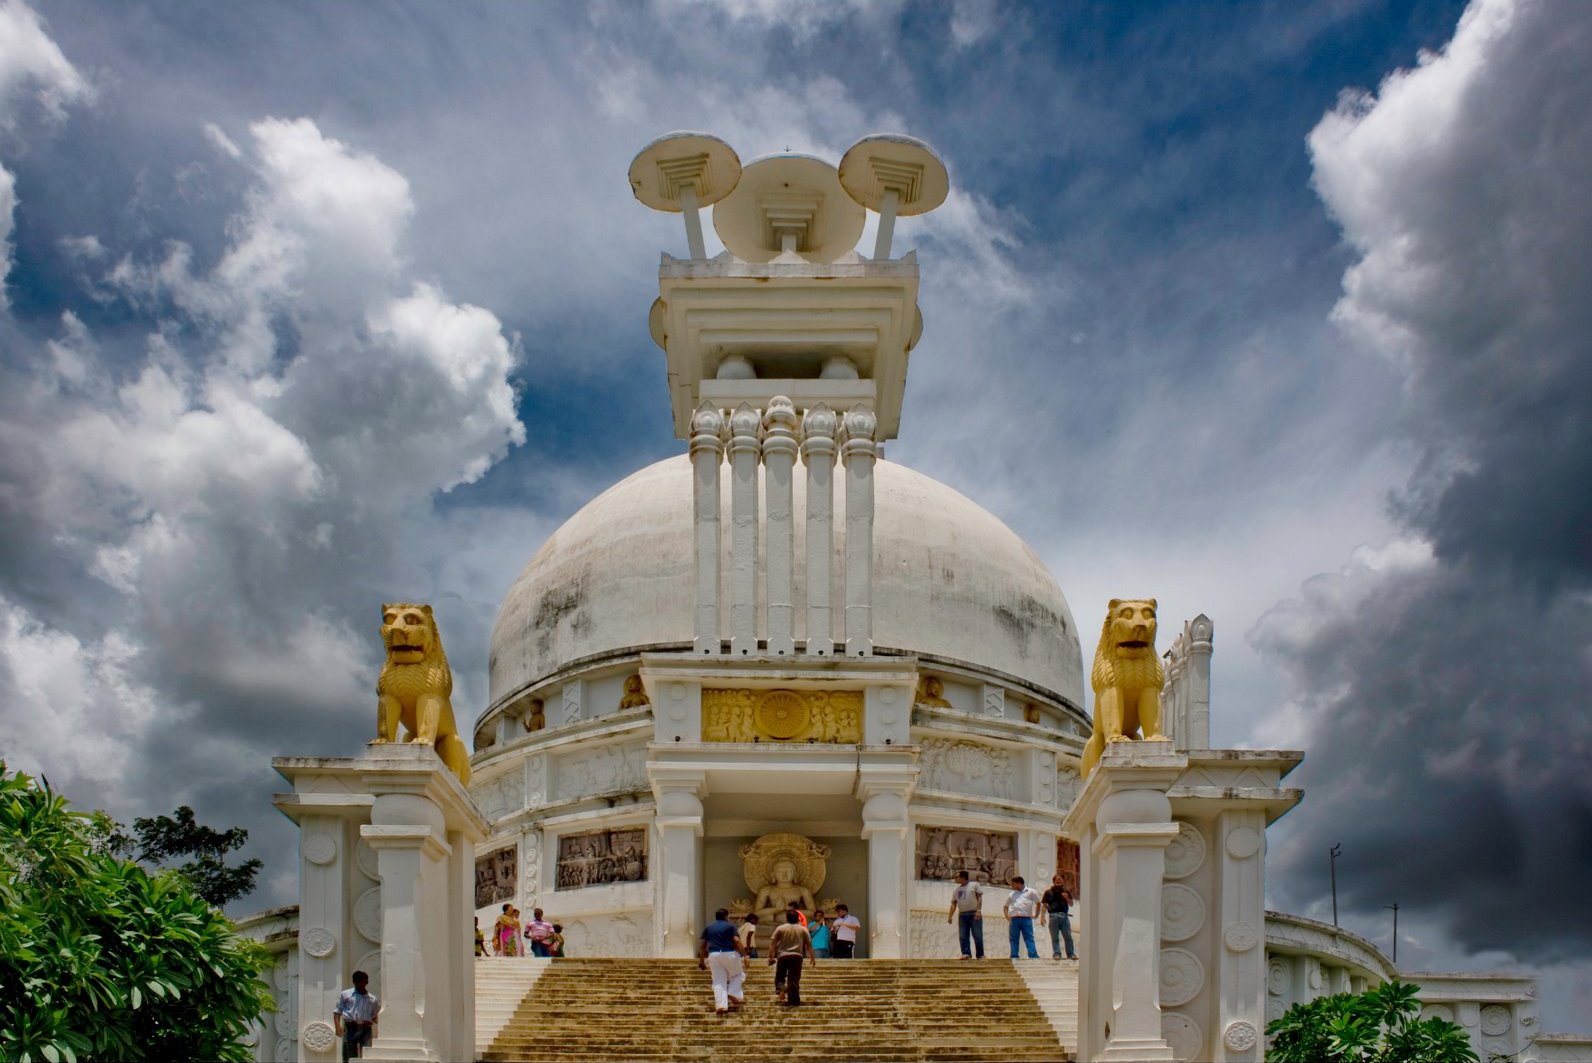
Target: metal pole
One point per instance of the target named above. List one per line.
(1332, 865)
(1395, 907)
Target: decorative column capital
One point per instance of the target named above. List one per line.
(745, 430)
(1200, 633)
(819, 425)
(859, 427)
(780, 426)
(708, 425)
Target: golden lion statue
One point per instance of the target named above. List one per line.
(1126, 679)
(416, 685)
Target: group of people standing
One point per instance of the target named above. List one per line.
(1022, 905)
(727, 951)
(541, 938)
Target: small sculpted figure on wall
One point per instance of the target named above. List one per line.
(415, 687)
(1126, 679)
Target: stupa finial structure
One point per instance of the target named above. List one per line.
(895, 176)
(682, 172)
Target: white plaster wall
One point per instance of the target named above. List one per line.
(950, 579)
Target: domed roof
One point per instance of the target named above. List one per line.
(950, 580)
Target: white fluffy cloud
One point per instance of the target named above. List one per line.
(260, 465)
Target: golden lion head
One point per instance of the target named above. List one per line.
(409, 632)
(1130, 627)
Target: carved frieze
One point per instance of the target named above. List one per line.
(781, 715)
(500, 796)
(599, 857)
(617, 935)
(986, 856)
(604, 770)
(496, 876)
(968, 768)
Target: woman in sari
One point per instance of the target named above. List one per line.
(506, 932)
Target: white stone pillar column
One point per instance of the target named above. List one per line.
(326, 953)
(745, 448)
(1240, 974)
(1125, 820)
(707, 456)
(818, 454)
(884, 783)
(679, 864)
(859, 452)
(779, 462)
(1197, 679)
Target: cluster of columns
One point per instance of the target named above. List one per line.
(1186, 701)
(773, 437)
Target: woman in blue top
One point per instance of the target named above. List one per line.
(819, 928)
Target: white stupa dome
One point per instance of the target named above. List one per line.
(950, 582)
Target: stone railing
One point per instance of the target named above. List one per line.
(276, 1036)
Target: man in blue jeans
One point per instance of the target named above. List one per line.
(1019, 911)
(967, 902)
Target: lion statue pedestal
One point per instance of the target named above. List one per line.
(415, 687)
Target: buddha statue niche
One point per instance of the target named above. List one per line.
(782, 888)
(782, 868)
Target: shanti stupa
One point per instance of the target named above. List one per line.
(779, 666)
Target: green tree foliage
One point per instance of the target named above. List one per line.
(101, 960)
(1377, 1026)
(167, 838)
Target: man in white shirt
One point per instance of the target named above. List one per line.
(845, 930)
(1019, 911)
(967, 902)
(355, 1017)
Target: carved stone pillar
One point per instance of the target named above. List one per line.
(859, 452)
(884, 783)
(1123, 821)
(779, 461)
(818, 454)
(1197, 680)
(745, 448)
(679, 862)
(707, 456)
(422, 827)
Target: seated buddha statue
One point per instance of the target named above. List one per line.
(782, 888)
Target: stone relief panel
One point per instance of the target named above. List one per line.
(932, 936)
(600, 857)
(1067, 786)
(609, 935)
(968, 768)
(986, 856)
(782, 715)
(1067, 865)
(1183, 1035)
(501, 796)
(605, 770)
(496, 876)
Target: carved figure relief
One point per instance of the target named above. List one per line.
(496, 876)
(501, 796)
(616, 935)
(600, 857)
(967, 768)
(1030, 713)
(931, 692)
(1067, 786)
(1126, 678)
(605, 770)
(635, 694)
(986, 856)
(780, 868)
(415, 687)
(781, 715)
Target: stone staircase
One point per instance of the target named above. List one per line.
(501, 984)
(1054, 985)
(856, 1011)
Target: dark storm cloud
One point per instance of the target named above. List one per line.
(1445, 692)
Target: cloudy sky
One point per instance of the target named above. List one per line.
(1278, 312)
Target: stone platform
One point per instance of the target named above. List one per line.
(864, 1011)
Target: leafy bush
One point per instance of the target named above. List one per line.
(101, 960)
(1377, 1026)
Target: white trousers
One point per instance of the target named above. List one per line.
(727, 977)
